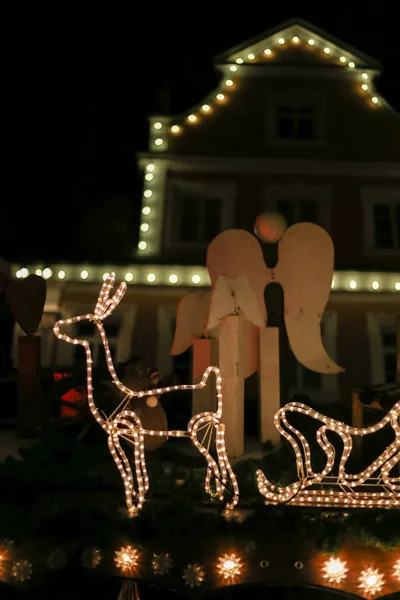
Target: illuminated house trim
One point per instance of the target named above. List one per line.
(192, 276)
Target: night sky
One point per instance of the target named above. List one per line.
(77, 90)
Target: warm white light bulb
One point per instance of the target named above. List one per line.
(196, 279)
(220, 97)
(311, 42)
(159, 142)
(397, 286)
(151, 277)
(84, 274)
(251, 56)
(352, 64)
(371, 580)
(150, 167)
(327, 50)
(233, 68)
(128, 276)
(281, 41)
(175, 129)
(146, 210)
(295, 39)
(375, 285)
(61, 274)
(267, 52)
(364, 87)
(142, 245)
(206, 107)
(147, 193)
(364, 76)
(173, 278)
(239, 61)
(192, 118)
(229, 82)
(333, 283)
(352, 284)
(23, 272)
(105, 275)
(157, 125)
(149, 176)
(47, 273)
(144, 227)
(375, 100)
(39, 272)
(343, 59)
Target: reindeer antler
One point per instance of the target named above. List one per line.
(105, 305)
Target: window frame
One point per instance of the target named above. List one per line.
(222, 189)
(370, 197)
(296, 98)
(320, 194)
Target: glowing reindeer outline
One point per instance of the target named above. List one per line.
(379, 491)
(127, 424)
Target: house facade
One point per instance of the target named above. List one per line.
(298, 126)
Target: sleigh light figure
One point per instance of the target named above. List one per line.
(371, 488)
(126, 424)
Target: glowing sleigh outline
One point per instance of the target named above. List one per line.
(126, 424)
(371, 488)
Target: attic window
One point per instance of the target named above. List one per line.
(295, 122)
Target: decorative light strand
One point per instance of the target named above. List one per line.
(127, 425)
(371, 581)
(229, 566)
(387, 488)
(126, 559)
(334, 570)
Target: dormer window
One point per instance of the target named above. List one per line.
(295, 122)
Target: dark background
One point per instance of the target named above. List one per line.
(77, 89)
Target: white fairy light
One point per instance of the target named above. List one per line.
(150, 167)
(327, 50)
(239, 61)
(146, 210)
(105, 276)
(371, 581)
(343, 59)
(162, 563)
(158, 141)
(333, 283)
(175, 129)
(352, 65)
(128, 425)
(147, 193)
(364, 87)
(23, 273)
(281, 41)
(220, 97)
(233, 68)
(173, 278)
(229, 566)
(194, 575)
(157, 125)
(295, 39)
(192, 118)
(251, 56)
(84, 274)
(334, 570)
(364, 76)
(46, 274)
(126, 559)
(353, 284)
(311, 42)
(142, 245)
(267, 52)
(206, 108)
(151, 277)
(229, 82)
(61, 274)
(375, 285)
(39, 272)
(375, 99)
(196, 279)
(397, 286)
(149, 176)
(128, 276)
(144, 227)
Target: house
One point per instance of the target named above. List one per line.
(296, 125)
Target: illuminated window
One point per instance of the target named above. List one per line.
(295, 122)
(198, 211)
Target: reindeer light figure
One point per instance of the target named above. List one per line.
(371, 488)
(126, 424)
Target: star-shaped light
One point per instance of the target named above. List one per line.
(229, 566)
(397, 570)
(194, 575)
(126, 558)
(91, 558)
(22, 570)
(371, 581)
(334, 570)
(161, 563)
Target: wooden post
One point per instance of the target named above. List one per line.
(29, 388)
(269, 379)
(357, 421)
(231, 366)
(398, 350)
(205, 354)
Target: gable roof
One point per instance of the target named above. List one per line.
(288, 30)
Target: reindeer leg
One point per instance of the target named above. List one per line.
(225, 466)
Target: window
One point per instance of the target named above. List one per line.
(296, 211)
(199, 211)
(381, 219)
(388, 336)
(295, 122)
(387, 225)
